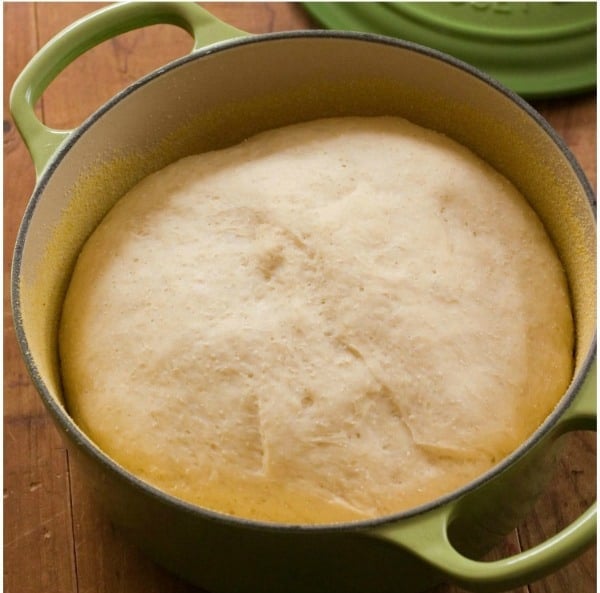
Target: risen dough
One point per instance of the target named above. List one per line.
(331, 321)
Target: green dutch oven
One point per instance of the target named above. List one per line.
(233, 85)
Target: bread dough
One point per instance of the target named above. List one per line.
(330, 321)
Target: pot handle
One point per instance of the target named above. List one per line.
(42, 141)
(426, 535)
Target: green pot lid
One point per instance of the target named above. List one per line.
(538, 49)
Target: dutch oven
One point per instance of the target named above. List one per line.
(229, 87)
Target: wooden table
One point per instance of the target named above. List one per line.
(56, 540)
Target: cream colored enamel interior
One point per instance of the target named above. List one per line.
(327, 322)
(180, 115)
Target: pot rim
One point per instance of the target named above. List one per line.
(82, 441)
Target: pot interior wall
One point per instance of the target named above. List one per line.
(218, 98)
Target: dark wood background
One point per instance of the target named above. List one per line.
(55, 539)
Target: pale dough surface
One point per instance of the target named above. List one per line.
(331, 321)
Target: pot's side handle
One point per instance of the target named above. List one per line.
(427, 535)
(42, 141)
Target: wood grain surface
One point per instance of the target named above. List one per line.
(55, 538)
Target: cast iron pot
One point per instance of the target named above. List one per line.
(231, 86)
